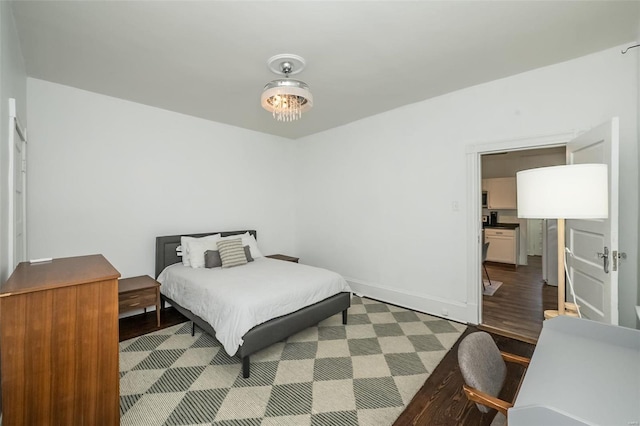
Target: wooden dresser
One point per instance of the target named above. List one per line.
(59, 343)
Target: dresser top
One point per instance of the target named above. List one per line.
(68, 271)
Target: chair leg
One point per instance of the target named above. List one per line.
(485, 271)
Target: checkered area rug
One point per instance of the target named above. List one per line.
(364, 373)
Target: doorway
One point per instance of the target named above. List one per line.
(474, 155)
(517, 267)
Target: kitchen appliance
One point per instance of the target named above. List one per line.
(493, 218)
(485, 199)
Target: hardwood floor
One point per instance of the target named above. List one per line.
(138, 325)
(515, 311)
(441, 401)
(517, 307)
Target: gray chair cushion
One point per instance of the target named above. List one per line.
(482, 365)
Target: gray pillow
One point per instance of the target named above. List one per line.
(212, 259)
(247, 253)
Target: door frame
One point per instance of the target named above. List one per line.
(16, 130)
(474, 152)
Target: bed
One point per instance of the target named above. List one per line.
(266, 333)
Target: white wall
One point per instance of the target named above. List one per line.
(13, 84)
(375, 198)
(637, 55)
(108, 176)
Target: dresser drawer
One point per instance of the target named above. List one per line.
(137, 299)
(491, 232)
(140, 292)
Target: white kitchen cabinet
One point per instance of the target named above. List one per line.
(501, 193)
(503, 245)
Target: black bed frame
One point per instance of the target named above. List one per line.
(262, 335)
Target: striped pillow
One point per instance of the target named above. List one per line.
(232, 252)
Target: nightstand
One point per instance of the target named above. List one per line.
(284, 257)
(137, 293)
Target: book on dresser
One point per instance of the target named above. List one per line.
(59, 343)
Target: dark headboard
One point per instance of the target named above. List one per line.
(166, 247)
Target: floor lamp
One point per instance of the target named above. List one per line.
(576, 191)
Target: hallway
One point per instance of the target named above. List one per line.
(516, 308)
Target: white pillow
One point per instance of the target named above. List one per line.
(197, 249)
(185, 242)
(248, 240)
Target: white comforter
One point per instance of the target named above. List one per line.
(235, 300)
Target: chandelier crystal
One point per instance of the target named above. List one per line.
(286, 98)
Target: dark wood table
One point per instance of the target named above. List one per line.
(138, 293)
(284, 257)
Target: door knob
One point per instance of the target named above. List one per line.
(605, 259)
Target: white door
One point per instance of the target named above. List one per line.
(20, 247)
(17, 185)
(594, 243)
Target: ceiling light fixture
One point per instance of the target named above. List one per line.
(286, 98)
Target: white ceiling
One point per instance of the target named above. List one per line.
(208, 59)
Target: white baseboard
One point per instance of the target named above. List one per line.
(430, 305)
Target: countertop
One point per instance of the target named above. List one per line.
(501, 226)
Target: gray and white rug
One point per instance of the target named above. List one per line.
(364, 373)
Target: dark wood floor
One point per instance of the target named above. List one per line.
(138, 325)
(441, 401)
(517, 307)
(514, 316)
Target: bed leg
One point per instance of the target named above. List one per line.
(246, 367)
(193, 328)
(344, 317)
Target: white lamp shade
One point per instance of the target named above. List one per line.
(576, 191)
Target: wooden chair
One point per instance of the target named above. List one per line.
(484, 370)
